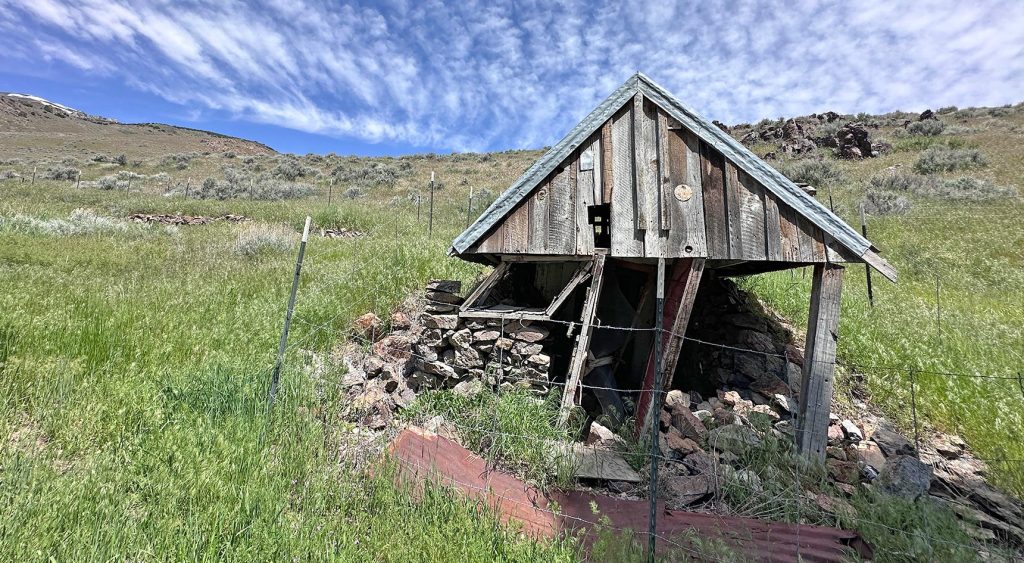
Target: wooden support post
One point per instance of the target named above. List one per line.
(819, 360)
(681, 294)
(330, 192)
(579, 355)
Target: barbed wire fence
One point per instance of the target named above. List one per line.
(900, 378)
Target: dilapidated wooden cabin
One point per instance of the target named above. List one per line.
(645, 196)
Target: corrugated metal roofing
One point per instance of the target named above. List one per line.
(421, 455)
(778, 184)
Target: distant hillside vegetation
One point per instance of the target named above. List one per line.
(34, 128)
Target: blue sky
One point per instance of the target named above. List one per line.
(409, 76)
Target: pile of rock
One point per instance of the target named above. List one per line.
(804, 135)
(702, 440)
(427, 346)
(183, 219)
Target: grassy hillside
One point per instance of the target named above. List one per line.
(134, 358)
(37, 129)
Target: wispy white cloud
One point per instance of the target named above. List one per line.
(483, 75)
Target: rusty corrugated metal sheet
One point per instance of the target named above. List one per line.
(423, 455)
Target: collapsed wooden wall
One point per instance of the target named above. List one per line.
(669, 195)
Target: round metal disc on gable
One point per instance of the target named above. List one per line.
(683, 192)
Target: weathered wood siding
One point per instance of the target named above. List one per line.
(669, 195)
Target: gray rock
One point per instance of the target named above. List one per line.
(733, 438)
(421, 381)
(891, 442)
(432, 337)
(467, 358)
(439, 369)
(469, 388)
(439, 308)
(784, 404)
(447, 286)
(444, 297)
(442, 322)
(530, 334)
(676, 401)
(684, 490)
(527, 349)
(461, 339)
(904, 476)
(689, 425)
(426, 353)
(486, 335)
(851, 431)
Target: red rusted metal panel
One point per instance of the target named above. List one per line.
(421, 455)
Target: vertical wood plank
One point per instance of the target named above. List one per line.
(752, 218)
(665, 199)
(806, 238)
(732, 211)
(642, 182)
(772, 226)
(819, 360)
(495, 242)
(607, 178)
(562, 212)
(648, 181)
(693, 208)
(588, 188)
(598, 173)
(579, 355)
(539, 218)
(626, 239)
(790, 234)
(517, 230)
(712, 165)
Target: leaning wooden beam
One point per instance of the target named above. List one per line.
(681, 294)
(579, 354)
(579, 277)
(485, 286)
(819, 360)
(879, 263)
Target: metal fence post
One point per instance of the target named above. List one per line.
(655, 410)
(283, 344)
(430, 227)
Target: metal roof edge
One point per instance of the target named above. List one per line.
(544, 166)
(772, 179)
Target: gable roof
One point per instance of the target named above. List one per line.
(784, 188)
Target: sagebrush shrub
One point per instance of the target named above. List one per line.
(897, 181)
(926, 128)
(60, 173)
(812, 171)
(966, 188)
(877, 202)
(944, 159)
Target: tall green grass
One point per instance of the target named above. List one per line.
(133, 393)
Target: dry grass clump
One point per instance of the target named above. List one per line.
(259, 239)
(79, 222)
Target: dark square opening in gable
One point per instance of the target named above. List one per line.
(599, 216)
